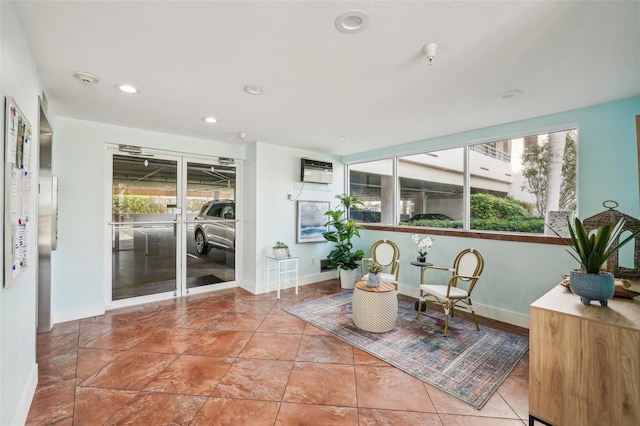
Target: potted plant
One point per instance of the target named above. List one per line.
(424, 244)
(343, 229)
(374, 278)
(280, 250)
(590, 282)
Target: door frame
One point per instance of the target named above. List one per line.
(181, 290)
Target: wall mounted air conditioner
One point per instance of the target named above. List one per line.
(316, 171)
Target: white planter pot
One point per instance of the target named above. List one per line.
(279, 252)
(348, 278)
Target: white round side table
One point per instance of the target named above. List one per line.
(374, 309)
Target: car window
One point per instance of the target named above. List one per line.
(227, 211)
(215, 210)
(222, 210)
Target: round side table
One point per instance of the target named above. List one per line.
(422, 265)
(375, 309)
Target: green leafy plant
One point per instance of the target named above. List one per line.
(374, 268)
(280, 244)
(592, 251)
(343, 229)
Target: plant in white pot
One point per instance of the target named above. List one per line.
(590, 282)
(280, 250)
(343, 229)
(374, 276)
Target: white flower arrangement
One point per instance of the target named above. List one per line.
(424, 244)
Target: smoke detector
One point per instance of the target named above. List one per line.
(86, 77)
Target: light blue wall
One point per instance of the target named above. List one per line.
(18, 373)
(516, 274)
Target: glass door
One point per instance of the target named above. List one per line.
(145, 231)
(173, 226)
(210, 223)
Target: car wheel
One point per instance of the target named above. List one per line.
(201, 245)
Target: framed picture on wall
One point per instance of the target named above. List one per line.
(312, 221)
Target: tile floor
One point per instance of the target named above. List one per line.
(232, 358)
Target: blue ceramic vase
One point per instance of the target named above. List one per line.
(590, 287)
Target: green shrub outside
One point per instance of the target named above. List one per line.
(487, 206)
(137, 204)
(534, 225)
(491, 213)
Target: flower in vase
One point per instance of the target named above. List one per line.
(424, 244)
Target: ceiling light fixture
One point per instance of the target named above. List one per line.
(343, 139)
(353, 21)
(252, 89)
(430, 50)
(211, 120)
(510, 94)
(86, 77)
(127, 88)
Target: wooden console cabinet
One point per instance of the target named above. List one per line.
(584, 361)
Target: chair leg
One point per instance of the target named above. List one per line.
(446, 325)
(473, 313)
(419, 307)
(446, 318)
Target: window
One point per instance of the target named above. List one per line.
(373, 181)
(514, 185)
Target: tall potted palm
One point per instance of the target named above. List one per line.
(342, 230)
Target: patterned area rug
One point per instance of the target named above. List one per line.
(467, 364)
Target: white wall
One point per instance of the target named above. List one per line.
(80, 264)
(18, 369)
(278, 174)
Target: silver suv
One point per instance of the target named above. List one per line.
(217, 227)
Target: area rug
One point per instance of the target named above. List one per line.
(467, 364)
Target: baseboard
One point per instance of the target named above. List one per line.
(260, 288)
(76, 313)
(22, 411)
(486, 311)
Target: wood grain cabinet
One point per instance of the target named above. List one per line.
(584, 361)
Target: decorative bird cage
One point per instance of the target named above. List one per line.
(611, 217)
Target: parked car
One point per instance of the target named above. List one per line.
(366, 216)
(429, 216)
(216, 226)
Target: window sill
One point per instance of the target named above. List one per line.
(484, 235)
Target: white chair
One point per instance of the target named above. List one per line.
(467, 268)
(387, 254)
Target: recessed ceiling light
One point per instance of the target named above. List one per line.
(252, 89)
(86, 77)
(127, 88)
(352, 22)
(211, 120)
(510, 94)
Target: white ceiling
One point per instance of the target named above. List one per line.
(191, 59)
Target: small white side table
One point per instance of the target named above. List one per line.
(280, 272)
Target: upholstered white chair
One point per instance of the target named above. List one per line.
(387, 254)
(466, 270)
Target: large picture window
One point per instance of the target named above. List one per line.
(512, 185)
